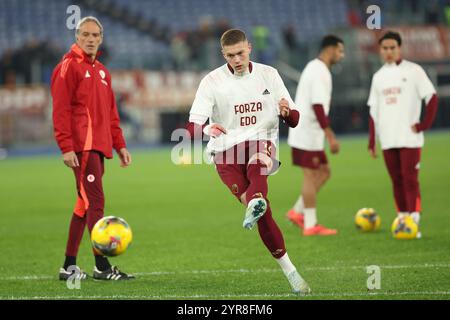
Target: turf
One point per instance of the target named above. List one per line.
(189, 242)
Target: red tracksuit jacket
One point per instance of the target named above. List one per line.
(85, 115)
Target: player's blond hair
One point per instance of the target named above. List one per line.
(232, 36)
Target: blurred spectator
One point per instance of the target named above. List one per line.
(355, 12)
(207, 54)
(194, 42)
(198, 49)
(260, 44)
(104, 54)
(290, 37)
(180, 51)
(432, 12)
(29, 64)
(447, 14)
(8, 68)
(295, 53)
(221, 26)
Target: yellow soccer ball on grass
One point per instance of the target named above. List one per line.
(404, 227)
(111, 236)
(367, 220)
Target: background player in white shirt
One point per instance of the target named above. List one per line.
(307, 139)
(395, 102)
(243, 101)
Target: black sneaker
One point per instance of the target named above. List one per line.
(64, 274)
(112, 273)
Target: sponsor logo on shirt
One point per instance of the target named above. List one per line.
(266, 92)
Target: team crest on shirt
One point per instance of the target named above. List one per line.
(91, 178)
(234, 188)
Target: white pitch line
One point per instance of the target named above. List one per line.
(237, 295)
(263, 270)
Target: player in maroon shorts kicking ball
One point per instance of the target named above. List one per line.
(243, 101)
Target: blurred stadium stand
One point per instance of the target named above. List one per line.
(169, 44)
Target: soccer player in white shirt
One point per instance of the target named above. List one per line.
(307, 139)
(243, 101)
(395, 102)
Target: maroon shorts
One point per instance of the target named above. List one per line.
(308, 159)
(231, 165)
(89, 182)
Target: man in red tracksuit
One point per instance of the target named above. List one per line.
(87, 128)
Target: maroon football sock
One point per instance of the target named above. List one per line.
(271, 235)
(258, 181)
(76, 230)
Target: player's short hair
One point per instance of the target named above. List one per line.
(330, 41)
(232, 36)
(391, 35)
(88, 19)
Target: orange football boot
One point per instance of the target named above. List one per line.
(296, 218)
(319, 230)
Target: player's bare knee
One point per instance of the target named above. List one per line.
(309, 174)
(326, 174)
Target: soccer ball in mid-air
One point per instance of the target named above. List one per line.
(111, 236)
(404, 227)
(366, 219)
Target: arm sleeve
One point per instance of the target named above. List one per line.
(196, 125)
(371, 133)
(116, 132)
(292, 119)
(430, 114)
(62, 87)
(204, 100)
(320, 115)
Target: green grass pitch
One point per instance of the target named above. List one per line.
(189, 242)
